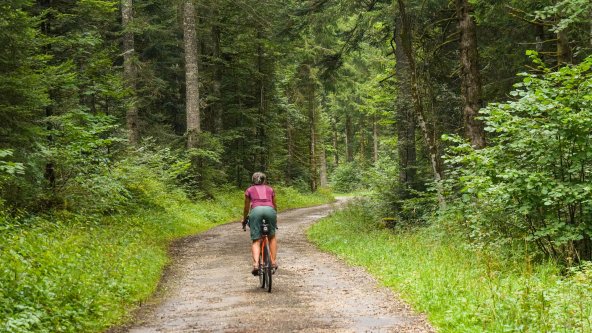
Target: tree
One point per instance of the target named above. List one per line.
(129, 71)
(428, 134)
(405, 115)
(470, 76)
(532, 183)
(191, 74)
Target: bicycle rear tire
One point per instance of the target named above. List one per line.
(262, 277)
(268, 271)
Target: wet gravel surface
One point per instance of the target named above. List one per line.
(209, 288)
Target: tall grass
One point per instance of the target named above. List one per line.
(69, 273)
(461, 290)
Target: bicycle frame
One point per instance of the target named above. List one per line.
(265, 269)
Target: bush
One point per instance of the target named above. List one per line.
(67, 273)
(533, 181)
(461, 289)
(348, 177)
(391, 198)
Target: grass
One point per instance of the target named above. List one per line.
(459, 289)
(67, 273)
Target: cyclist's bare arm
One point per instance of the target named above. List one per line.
(246, 208)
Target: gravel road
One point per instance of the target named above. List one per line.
(209, 288)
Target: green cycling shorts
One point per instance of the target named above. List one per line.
(257, 215)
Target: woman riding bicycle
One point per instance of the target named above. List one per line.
(260, 205)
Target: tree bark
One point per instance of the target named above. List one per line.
(405, 117)
(590, 20)
(540, 38)
(262, 110)
(291, 150)
(428, 134)
(312, 118)
(323, 178)
(217, 77)
(564, 55)
(470, 75)
(191, 74)
(362, 135)
(129, 72)
(335, 142)
(349, 138)
(49, 172)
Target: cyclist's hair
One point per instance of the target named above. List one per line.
(259, 178)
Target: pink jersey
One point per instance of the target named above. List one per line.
(260, 195)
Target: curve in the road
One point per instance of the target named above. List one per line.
(209, 288)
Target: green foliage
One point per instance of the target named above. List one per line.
(82, 150)
(460, 289)
(74, 273)
(569, 12)
(533, 181)
(391, 199)
(288, 197)
(8, 168)
(22, 91)
(385, 186)
(204, 174)
(349, 177)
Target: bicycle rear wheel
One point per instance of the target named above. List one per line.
(262, 277)
(268, 270)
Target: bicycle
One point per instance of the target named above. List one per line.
(265, 268)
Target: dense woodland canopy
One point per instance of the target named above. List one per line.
(386, 94)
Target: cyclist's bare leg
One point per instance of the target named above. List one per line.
(256, 249)
(273, 248)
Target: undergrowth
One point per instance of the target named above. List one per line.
(461, 290)
(73, 273)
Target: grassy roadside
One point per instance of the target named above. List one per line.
(459, 289)
(71, 274)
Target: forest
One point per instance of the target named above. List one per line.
(467, 118)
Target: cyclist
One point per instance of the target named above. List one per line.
(260, 205)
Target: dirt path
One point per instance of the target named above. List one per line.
(209, 288)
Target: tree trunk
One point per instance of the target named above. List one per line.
(362, 140)
(564, 55)
(335, 140)
(49, 173)
(217, 77)
(349, 138)
(191, 75)
(323, 178)
(129, 71)
(405, 118)
(590, 19)
(312, 118)
(428, 134)
(239, 123)
(470, 75)
(290, 145)
(540, 38)
(262, 110)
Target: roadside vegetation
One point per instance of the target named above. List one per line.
(459, 287)
(503, 243)
(77, 272)
(126, 124)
